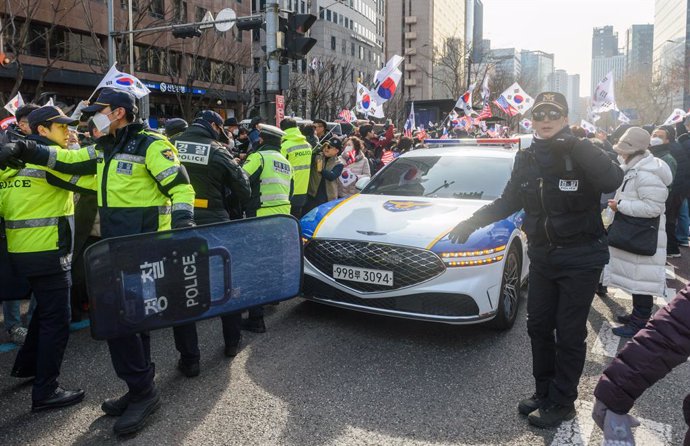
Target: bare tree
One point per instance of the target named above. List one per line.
(212, 68)
(321, 89)
(450, 65)
(652, 99)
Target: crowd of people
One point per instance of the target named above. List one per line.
(60, 193)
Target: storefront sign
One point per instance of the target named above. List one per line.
(164, 87)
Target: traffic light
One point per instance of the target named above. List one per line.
(186, 31)
(249, 25)
(297, 45)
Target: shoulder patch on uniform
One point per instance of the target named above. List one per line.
(168, 154)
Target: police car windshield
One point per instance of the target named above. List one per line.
(443, 177)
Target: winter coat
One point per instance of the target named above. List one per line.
(359, 168)
(323, 179)
(643, 194)
(655, 350)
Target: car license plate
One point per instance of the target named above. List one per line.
(364, 275)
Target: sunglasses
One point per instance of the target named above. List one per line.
(551, 114)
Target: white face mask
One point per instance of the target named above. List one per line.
(102, 122)
(235, 132)
(656, 141)
(348, 148)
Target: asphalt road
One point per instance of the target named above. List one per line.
(325, 376)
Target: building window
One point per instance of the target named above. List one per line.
(328, 15)
(124, 4)
(335, 17)
(199, 13)
(333, 44)
(179, 11)
(157, 9)
(257, 64)
(352, 49)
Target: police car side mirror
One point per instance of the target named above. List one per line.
(362, 183)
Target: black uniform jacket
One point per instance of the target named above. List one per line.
(558, 182)
(221, 186)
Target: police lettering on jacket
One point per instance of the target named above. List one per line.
(14, 183)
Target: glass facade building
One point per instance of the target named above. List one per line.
(672, 44)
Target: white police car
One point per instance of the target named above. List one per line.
(385, 250)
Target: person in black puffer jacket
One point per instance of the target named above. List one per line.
(679, 188)
(558, 182)
(217, 180)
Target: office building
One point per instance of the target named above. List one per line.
(536, 71)
(422, 32)
(183, 75)
(671, 55)
(639, 49)
(604, 42)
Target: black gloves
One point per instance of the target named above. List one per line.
(461, 232)
(182, 219)
(13, 154)
(9, 154)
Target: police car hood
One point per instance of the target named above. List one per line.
(411, 221)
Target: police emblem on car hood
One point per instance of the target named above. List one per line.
(402, 206)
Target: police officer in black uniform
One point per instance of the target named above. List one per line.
(217, 180)
(557, 181)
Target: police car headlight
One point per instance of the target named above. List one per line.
(473, 258)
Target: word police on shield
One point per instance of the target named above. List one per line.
(156, 280)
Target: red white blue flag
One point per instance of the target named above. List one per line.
(505, 107)
(123, 81)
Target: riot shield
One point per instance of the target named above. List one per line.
(157, 280)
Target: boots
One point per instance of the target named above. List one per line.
(138, 410)
(551, 414)
(635, 322)
(529, 405)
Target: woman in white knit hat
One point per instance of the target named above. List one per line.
(642, 194)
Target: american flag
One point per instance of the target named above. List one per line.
(421, 135)
(486, 111)
(502, 103)
(445, 133)
(387, 157)
(345, 115)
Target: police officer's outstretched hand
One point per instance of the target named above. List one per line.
(461, 232)
(10, 154)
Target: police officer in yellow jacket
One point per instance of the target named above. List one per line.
(38, 206)
(141, 188)
(270, 177)
(297, 151)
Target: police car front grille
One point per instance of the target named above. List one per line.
(427, 304)
(410, 266)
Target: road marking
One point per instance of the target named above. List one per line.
(579, 430)
(652, 433)
(606, 343)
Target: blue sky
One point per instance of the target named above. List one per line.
(562, 27)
